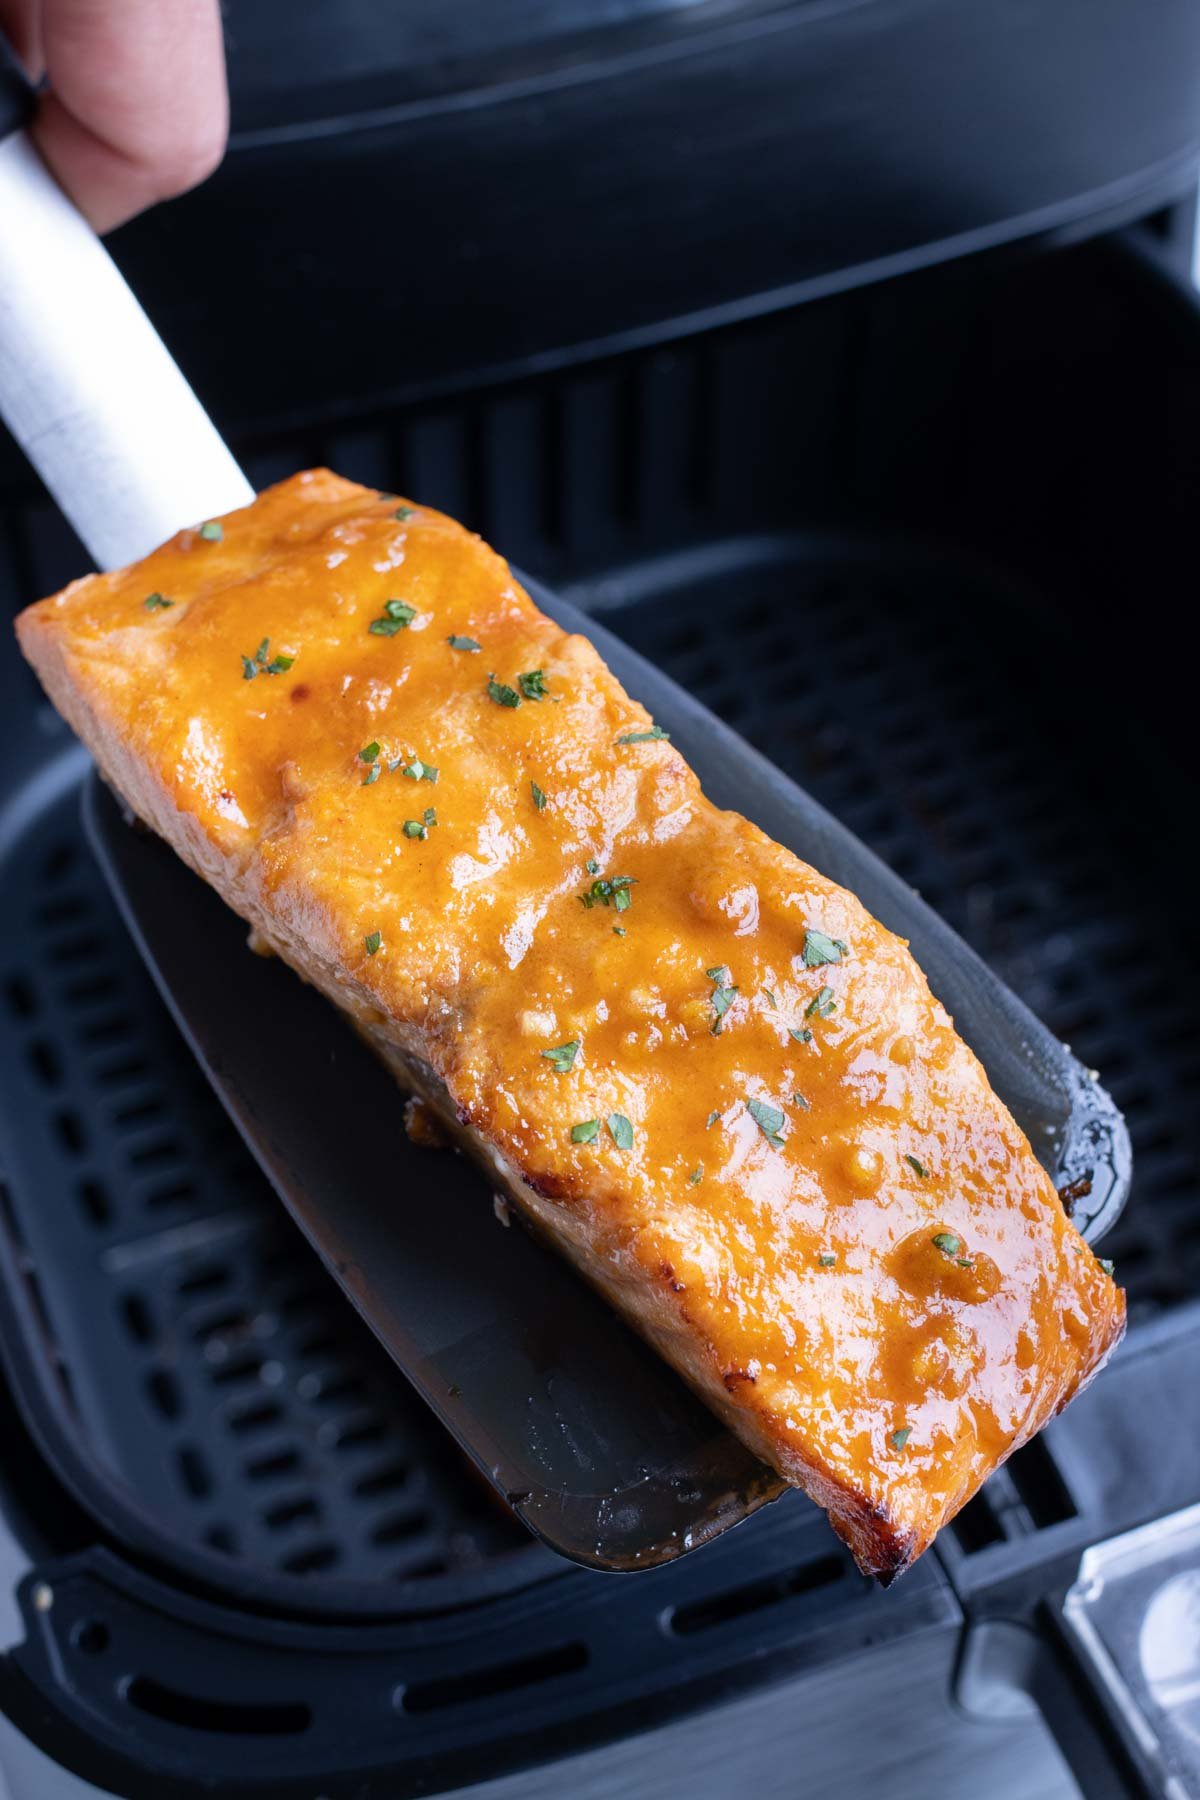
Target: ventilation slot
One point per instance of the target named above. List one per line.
(195, 1714)
(736, 1603)
(485, 1684)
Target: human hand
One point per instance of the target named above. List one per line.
(135, 109)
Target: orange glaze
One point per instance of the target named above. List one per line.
(488, 958)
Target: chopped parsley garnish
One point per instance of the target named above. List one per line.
(462, 643)
(539, 799)
(914, 1162)
(819, 949)
(827, 1259)
(822, 1006)
(618, 931)
(368, 753)
(722, 997)
(586, 1133)
(404, 512)
(413, 828)
(697, 1175)
(373, 942)
(262, 663)
(800, 1101)
(801, 1034)
(592, 866)
(533, 684)
(430, 818)
(157, 603)
(652, 736)
(964, 1262)
(614, 892)
(420, 771)
(502, 694)
(397, 615)
(711, 1120)
(769, 997)
(768, 1119)
(371, 775)
(212, 531)
(1107, 1264)
(947, 1243)
(901, 1437)
(563, 1056)
(622, 1131)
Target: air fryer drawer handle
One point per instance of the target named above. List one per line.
(87, 387)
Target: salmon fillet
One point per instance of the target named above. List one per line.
(719, 1085)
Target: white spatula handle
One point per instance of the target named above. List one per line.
(87, 386)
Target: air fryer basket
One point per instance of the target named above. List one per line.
(901, 541)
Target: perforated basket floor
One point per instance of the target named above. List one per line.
(196, 1344)
(209, 1359)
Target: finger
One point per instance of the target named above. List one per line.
(136, 109)
(21, 24)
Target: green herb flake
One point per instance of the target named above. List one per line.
(964, 1262)
(371, 775)
(430, 818)
(539, 799)
(697, 1175)
(614, 892)
(397, 615)
(1107, 1264)
(592, 866)
(420, 771)
(368, 753)
(822, 1005)
(947, 1243)
(262, 663)
(413, 828)
(914, 1162)
(533, 685)
(463, 643)
(769, 997)
(622, 1131)
(769, 1119)
(404, 512)
(373, 942)
(723, 996)
(563, 1056)
(801, 1102)
(586, 1133)
(618, 931)
(802, 1035)
(157, 603)
(827, 1259)
(819, 949)
(901, 1437)
(653, 736)
(711, 1120)
(212, 531)
(501, 693)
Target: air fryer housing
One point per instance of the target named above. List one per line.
(584, 281)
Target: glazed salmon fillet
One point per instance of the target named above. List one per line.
(706, 1073)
